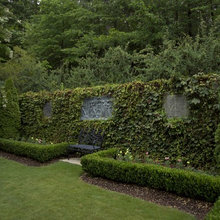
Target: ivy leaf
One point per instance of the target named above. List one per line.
(195, 101)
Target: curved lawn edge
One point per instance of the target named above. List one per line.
(59, 193)
(41, 153)
(182, 182)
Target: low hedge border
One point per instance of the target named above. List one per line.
(181, 182)
(41, 153)
(214, 214)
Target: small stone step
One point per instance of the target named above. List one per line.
(72, 161)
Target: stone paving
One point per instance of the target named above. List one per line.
(72, 161)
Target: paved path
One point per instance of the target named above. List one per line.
(72, 160)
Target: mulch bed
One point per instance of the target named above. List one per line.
(197, 208)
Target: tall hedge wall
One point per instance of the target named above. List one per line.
(139, 119)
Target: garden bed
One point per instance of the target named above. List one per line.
(125, 154)
(195, 207)
(181, 182)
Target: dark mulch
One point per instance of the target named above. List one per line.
(197, 208)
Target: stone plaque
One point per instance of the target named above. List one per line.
(96, 108)
(176, 106)
(47, 110)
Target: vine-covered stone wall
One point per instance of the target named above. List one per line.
(139, 120)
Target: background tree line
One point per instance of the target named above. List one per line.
(52, 44)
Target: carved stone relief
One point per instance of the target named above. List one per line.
(96, 108)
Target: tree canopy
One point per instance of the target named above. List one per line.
(93, 42)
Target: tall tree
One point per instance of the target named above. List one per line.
(5, 33)
(21, 11)
(51, 31)
(10, 120)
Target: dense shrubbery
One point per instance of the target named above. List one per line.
(29, 74)
(217, 148)
(186, 58)
(10, 117)
(139, 120)
(181, 182)
(117, 65)
(37, 152)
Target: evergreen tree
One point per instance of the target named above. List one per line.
(10, 121)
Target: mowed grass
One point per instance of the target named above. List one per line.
(56, 192)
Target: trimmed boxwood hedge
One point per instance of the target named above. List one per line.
(214, 214)
(37, 152)
(181, 182)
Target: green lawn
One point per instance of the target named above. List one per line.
(56, 192)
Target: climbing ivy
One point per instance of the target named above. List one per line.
(139, 120)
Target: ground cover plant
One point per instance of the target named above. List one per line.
(56, 192)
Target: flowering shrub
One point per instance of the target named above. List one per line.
(129, 156)
(126, 156)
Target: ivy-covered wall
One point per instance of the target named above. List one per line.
(139, 120)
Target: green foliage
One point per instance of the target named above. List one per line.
(19, 12)
(89, 43)
(214, 214)
(114, 67)
(64, 31)
(10, 121)
(5, 33)
(52, 30)
(71, 35)
(29, 74)
(58, 191)
(37, 152)
(217, 148)
(181, 182)
(139, 121)
(187, 58)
